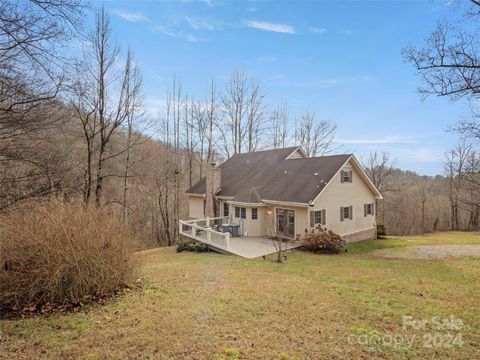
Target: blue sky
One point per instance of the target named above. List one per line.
(341, 60)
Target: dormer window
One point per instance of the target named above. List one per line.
(346, 176)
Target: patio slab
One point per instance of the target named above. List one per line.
(256, 246)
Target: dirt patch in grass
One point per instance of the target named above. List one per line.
(428, 251)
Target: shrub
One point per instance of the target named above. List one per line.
(381, 232)
(185, 245)
(321, 239)
(56, 253)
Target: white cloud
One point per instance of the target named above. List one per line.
(186, 36)
(252, 9)
(266, 26)
(384, 140)
(131, 16)
(192, 38)
(164, 30)
(199, 25)
(317, 30)
(422, 155)
(326, 83)
(154, 106)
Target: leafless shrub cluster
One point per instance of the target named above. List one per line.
(55, 252)
(321, 239)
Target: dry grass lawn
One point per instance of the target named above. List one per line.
(212, 306)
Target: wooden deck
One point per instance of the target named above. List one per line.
(248, 247)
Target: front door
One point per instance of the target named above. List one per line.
(286, 223)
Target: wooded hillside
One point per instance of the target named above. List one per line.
(78, 128)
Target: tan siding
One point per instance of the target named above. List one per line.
(253, 227)
(249, 226)
(301, 219)
(334, 196)
(296, 155)
(195, 207)
(338, 194)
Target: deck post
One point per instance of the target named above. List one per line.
(227, 240)
(193, 231)
(209, 236)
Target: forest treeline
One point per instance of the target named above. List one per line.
(73, 125)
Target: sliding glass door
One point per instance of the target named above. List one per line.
(286, 223)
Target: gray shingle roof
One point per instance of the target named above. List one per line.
(267, 175)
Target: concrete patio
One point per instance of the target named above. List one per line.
(253, 247)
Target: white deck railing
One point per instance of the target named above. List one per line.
(201, 230)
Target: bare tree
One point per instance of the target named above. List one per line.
(422, 197)
(33, 35)
(235, 106)
(255, 116)
(168, 179)
(379, 168)
(316, 137)
(462, 169)
(449, 64)
(134, 119)
(454, 169)
(243, 120)
(84, 104)
(279, 127)
(211, 120)
(204, 121)
(278, 242)
(189, 127)
(106, 101)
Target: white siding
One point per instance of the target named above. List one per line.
(265, 224)
(249, 226)
(338, 194)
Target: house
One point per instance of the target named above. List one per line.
(282, 192)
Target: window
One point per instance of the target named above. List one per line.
(317, 217)
(368, 209)
(225, 209)
(346, 213)
(346, 176)
(240, 212)
(254, 213)
(243, 213)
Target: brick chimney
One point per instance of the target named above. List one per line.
(213, 181)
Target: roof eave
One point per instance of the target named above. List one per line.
(194, 194)
(291, 203)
